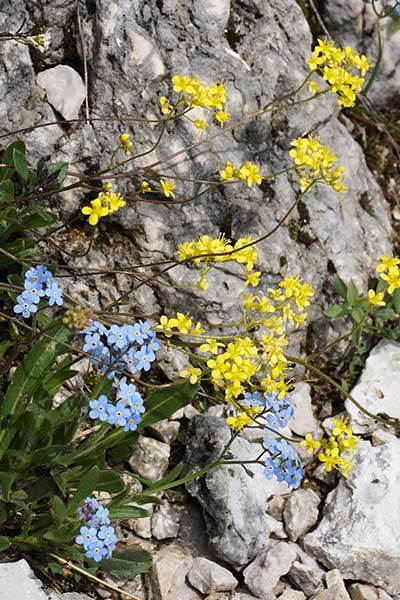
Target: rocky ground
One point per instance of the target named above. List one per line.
(229, 535)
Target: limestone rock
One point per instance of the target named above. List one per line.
(207, 577)
(305, 573)
(64, 89)
(239, 594)
(361, 591)
(167, 579)
(358, 533)
(300, 513)
(167, 430)
(262, 575)
(165, 521)
(150, 458)
(18, 582)
(73, 596)
(335, 588)
(234, 503)
(304, 420)
(292, 595)
(378, 387)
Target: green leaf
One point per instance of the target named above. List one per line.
(161, 404)
(61, 169)
(85, 488)
(352, 294)
(21, 165)
(335, 311)
(6, 191)
(396, 301)
(6, 481)
(110, 481)
(128, 512)
(4, 543)
(357, 314)
(127, 564)
(340, 287)
(28, 378)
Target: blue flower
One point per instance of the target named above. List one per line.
(93, 343)
(253, 399)
(117, 414)
(132, 422)
(130, 360)
(88, 536)
(25, 305)
(145, 358)
(126, 391)
(54, 293)
(97, 551)
(153, 344)
(99, 408)
(108, 535)
(116, 337)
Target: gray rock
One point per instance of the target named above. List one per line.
(300, 513)
(234, 503)
(335, 588)
(64, 89)
(262, 575)
(378, 387)
(167, 431)
(241, 595)
(361, 591)
(292, 595)
(73, 596)
(18, 582)
(276, 528)
(207, 577)
(170, 567)
(358, 534)
(305, 573)
(165, 521)
(304, 420)
(150, 458)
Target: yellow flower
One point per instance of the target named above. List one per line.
(164, 105)
(222, 116)
(166, 188)
(198, 330)
(125, 142)
(376, 298)
(392, 277)
(239, 422)
(202, 284)
(230, 172)
(145, 187)
(191, 373)
(310, 444)
(200, 123)
(251, 173)
(253, 279)
(95, 211)
(314, 87)
(387, 262)
(211, 345)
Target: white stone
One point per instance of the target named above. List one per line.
(166, 430)
(304, 420)
(359, 531)
(165, 521)
(377, 390)
(361, 591)
(336, 589)
(262, 575)
(170, 567)
(300, 513)
(64, 89)
(208, 576)
(305, 573)
(18, 582)
(292, 595)
(150, 458)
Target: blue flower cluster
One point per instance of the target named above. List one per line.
(97, 537)
(284, 464)
(117, 349)
(121, 348)
(39, 283)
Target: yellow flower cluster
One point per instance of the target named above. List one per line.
(337, 66)
(217, 250)
(179, 324)
(314, 163)
(106, 203)
(341, 442)
(126, 144)
(193, 93)
(167, 188)
(247, 172)
(243, 418)
(389, 271)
